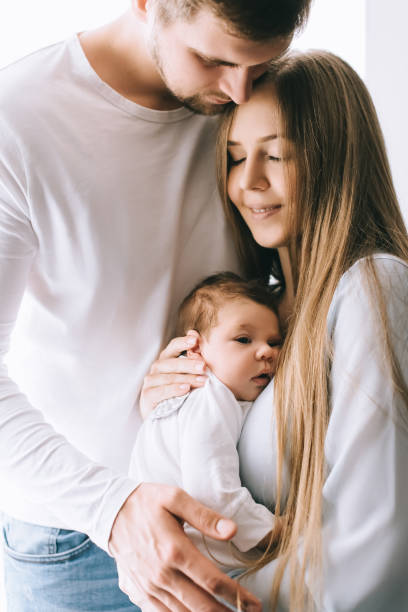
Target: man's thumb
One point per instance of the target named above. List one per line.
(209, 522)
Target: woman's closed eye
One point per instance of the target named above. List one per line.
(236, 162)
(240, 160)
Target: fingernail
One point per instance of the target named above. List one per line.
(224, 526)
(199, 367)
(184, 387)
(191, 341)
(201, 379)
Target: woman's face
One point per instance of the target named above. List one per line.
(260, 167)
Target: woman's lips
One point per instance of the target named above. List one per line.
(263, 212)
(260, 212)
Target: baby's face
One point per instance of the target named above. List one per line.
(242, 349)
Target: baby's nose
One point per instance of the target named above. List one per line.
(268, 352)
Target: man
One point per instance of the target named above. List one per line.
(108, 215)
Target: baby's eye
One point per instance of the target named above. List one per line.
(274, 343)
(243, 340)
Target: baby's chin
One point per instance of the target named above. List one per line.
(258, 385)
(250, 396)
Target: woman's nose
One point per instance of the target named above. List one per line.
(253, 175)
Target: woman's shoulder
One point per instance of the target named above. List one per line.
(387, 266)
(354, 291)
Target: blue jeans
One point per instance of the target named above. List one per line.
(55, 570)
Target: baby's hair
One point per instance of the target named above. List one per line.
(199, 308)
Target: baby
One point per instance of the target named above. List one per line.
(190, 441)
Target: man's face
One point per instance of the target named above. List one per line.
(206, 67)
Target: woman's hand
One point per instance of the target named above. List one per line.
(170, 376)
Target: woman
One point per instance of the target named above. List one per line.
(307, 187)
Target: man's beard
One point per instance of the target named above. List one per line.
(196, 103)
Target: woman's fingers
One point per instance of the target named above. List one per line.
(152, 396)
(177, 366)
(176, 346)
(173, 378)
(170, 376)
(159, 387)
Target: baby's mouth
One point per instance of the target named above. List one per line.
(262, 379)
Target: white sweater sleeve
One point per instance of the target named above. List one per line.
(365, 495)
(33, 457)
(209, 428)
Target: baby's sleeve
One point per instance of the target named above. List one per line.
(209, 429)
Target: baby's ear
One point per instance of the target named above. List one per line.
(195, 351)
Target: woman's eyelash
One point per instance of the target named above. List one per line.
(236, 162)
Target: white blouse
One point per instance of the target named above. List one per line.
(365, 494)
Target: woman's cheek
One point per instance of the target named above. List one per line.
(233, 189)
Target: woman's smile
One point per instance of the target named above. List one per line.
(263, 212)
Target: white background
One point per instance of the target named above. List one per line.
(369, 34)
(26, 25)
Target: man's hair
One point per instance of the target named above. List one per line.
(257, 20)
(200, 307)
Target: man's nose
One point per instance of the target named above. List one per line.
(236, 83)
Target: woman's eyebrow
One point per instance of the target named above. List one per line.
(233, 143)
(269, 137)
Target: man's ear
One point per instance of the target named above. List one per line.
(140, 8)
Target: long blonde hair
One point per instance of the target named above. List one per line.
(348, 211)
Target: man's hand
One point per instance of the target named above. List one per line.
(170, 376)
(159, 567)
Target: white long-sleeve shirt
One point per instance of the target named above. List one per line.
(191, 442)
(365, 494)
(109, 215)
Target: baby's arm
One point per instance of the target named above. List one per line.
(209, 429)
